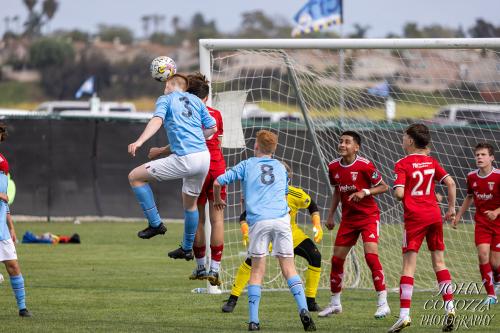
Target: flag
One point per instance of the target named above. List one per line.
(317, 15)
(86, 88)
(381, 90)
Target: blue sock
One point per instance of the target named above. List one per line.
(190, 226)
(147, 201)
(297, 290)
(253, 302)
(17, 283)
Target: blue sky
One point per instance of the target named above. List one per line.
(383, 16)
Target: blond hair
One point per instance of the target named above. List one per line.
(178, 80)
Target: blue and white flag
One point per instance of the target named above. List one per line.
(317, 15)
(86, 88)
(380, 90)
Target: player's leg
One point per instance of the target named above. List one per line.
(185, 250)
(240, 281)
(216, 242)
(485, 268)
(17, 284)
(435, 243)
(370, 235)
(308, 250)
(139, 179)
(199, 247)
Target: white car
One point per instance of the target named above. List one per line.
(468, 114)
(105, 107)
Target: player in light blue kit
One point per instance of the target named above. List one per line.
(265, 186)
(187, 123)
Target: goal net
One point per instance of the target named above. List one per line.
(308, 96)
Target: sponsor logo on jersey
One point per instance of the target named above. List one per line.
(371, 236)
(354, 175)
(375, 175)
(474, 184)
(491, 185)
(347, 188)
(337, 176)
(483, 196)
(421, 165)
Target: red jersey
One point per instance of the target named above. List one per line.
(352, 178)
(417, 173)
(486, 193)
(216, 157)
(4, 165)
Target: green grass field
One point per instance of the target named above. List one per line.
(116, 282)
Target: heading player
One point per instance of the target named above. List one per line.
(416, 175)
(182, 115)
(265, 186)
(302, 247)
(356, 181)
(483, 188)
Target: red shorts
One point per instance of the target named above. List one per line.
(207, 191)
(486, 233)
(414, 236)
(349, 231)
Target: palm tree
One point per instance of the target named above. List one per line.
(50, 8)
(30, 4)
(145, 24)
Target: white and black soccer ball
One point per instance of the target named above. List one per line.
(162, 68)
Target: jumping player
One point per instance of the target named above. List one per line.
(416, 175)
(483, 188)
(356, 182)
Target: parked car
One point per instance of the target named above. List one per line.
(253, 112)
(105, 107)
(467, 114)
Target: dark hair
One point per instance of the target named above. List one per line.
(355, 136)
(3, 131)
(485, 145)
(420, 135)
(198, 85)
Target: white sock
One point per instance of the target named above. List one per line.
(404, 312)
(382, 297)
(214, 265)
(336, 298)
(201, 262)
(449, 306)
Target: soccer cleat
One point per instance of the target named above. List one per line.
(400, 324)
(25, 313)
(490, 300)
(180, 253)
(229, 304)
(382, 311)
(312, 306)
(449, 321)
(307, 321)
(213, 278)
(152, 231)
(198, 274)
(330, 309)
(253, 326)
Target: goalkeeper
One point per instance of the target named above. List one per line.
(302, 245)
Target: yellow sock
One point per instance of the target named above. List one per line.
(241, 280)
(313, 275)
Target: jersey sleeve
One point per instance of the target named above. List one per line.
(375, 176)
(440, 174)
(331, 173)
(162, 106)
(400, 175)
(206, 119)
(220, 125)
(4, 165)
(470, 191)
(235, 173)
(298, 198)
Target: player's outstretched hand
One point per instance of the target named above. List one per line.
(451, 216)
(455, 221)
(357, 196)
(154, 153)
(318, 233)
(491, 214)
(132, 148)
(219, 204)
(330, 223)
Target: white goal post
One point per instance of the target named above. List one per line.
(310, 90)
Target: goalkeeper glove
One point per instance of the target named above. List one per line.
(318, 230)
(244, 233)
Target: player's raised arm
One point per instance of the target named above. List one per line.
(230, 176)
(151, 128)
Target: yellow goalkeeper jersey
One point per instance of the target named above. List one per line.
(297, 199)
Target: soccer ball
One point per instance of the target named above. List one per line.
(162, 68)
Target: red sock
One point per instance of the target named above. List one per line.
(377, 273)
(199, 251)
(216, 252)
(405, 291)
(336, 274)
(444, 282)
(487, 276)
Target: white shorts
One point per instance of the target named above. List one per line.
(278, 231)
(192, 168)
(7, 250)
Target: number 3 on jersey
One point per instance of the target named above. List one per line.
(417, 189)
(267, 176)
(188, 112)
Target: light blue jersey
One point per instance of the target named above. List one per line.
(265, 186)
(4, 229)
(183, 116)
